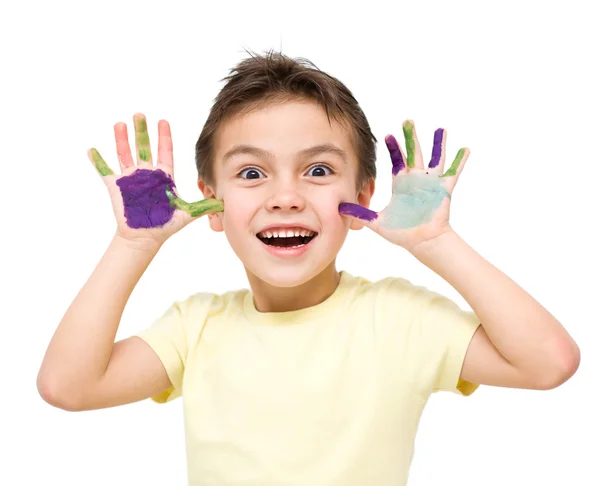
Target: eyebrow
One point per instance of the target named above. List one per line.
(325, 148)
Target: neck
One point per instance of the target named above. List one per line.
(269, 298)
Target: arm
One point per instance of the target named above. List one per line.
(83, 367)
(519, 343)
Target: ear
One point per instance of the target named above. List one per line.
(364, 199)
(216, 224)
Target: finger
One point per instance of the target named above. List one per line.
(123, 149)
(438, 153)
(396, 154)
(357, 211)
(414, 157)
(198, 208)
(142, 142)
(101, 166)
(165, 147)
(458, 163)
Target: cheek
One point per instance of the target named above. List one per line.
(238, 211)
(328, 208)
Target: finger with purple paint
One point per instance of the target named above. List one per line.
(438, 154)
(414, 150)
(396, 154)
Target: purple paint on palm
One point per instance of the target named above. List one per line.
(144, 198)
(358, 211)
(436, 153)
(395, 154)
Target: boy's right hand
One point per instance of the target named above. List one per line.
(144, 197)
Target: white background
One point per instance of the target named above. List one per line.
(516, 82)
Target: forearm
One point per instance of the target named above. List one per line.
(82, 344)
(522, 330)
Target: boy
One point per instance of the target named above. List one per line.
(314, 376)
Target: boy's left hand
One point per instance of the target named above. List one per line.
(419, 210)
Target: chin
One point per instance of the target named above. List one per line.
(285, 275)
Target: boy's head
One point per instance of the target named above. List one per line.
(253, 154)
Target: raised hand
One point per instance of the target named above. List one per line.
(144, 197)
(419, 209)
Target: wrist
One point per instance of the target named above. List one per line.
(148, 246)
(429, 247)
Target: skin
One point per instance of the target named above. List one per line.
(148, 196)
(519, 344)
(290, 188)
(419, 207)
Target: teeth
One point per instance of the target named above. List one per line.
(286, 233)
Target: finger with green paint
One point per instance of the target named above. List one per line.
(414, 154)
(144, 196)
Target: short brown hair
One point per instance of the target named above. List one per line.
(258, 81)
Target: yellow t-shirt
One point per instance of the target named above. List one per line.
(327, 395)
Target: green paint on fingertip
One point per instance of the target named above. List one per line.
(101, 165)
(142, 140)
(409, 137)
(455, 164)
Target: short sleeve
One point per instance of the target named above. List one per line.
(430, 335)
(167, 338)
(172, 334)
(446, 330)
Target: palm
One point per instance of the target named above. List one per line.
(144, 197)
(419, 208)
(139, 217)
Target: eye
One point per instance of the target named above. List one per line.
(321, 168)
(253, 173)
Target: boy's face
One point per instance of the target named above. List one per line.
(287, 187)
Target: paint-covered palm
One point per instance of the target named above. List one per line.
(143, 196)
(419, 209)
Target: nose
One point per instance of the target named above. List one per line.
(285, 197)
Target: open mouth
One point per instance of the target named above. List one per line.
(286, 241)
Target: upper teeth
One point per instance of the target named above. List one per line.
(286, 233)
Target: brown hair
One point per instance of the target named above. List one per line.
(258, 81)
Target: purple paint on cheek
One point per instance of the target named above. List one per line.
(395, 154)
(357, 211)
(436, 153)
(144, 199)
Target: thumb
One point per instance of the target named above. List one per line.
(359, 213)
(198, 208)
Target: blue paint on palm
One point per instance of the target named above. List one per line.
(416, 197)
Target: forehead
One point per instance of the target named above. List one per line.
(284, 129)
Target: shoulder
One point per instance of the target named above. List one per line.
(211, 303)
(192, 314)
(398, 300)
(396, 289)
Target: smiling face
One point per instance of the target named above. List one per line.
(285, 168)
